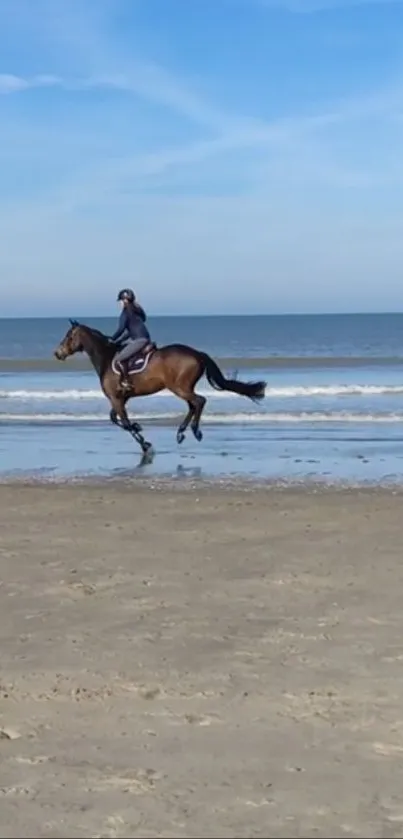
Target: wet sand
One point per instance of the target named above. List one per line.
(200, 662)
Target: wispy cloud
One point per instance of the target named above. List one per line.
(285, 138)
(147, 81)
(299, 144)
(80, 31)
(16, 84)
(83, 34)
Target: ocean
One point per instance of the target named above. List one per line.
(333, 410)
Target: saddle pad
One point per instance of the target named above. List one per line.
(136, 365)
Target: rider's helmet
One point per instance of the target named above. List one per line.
(127, 294)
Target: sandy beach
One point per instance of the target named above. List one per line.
(200, 662)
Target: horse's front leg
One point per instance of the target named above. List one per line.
(118, 416)
(114, 418)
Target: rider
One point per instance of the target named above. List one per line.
(132, 330)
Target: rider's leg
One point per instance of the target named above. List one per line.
(124, 356)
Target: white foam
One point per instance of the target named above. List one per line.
(334, 390)
(51, 394)
(217, 418)
(271, 392)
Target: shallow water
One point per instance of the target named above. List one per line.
(286, 452)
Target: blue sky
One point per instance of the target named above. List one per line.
(216, 155)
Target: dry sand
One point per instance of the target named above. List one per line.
(200, 662)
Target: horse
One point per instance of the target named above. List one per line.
(175, 367)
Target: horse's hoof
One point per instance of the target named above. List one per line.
(180, 437)
(198, 434)
(147, 456)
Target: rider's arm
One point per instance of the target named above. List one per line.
(122, 327)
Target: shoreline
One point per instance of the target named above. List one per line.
(206, 485)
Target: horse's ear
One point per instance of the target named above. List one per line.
(73, 322)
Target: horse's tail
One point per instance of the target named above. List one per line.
(217, 380)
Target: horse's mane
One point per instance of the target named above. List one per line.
(90, 330)
(96, 332)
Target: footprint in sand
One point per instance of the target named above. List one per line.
(388, 749)
(33, 761)
(8, 733)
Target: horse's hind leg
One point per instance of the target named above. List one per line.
(180, 434)
(199, 403)
(183, 385)
(196, 404)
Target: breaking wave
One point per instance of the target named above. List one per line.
(290, 391)
(252, 417)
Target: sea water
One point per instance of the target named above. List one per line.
(333, 409)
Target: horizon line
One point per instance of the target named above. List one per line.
(215, 315)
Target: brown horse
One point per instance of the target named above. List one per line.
(175, 367)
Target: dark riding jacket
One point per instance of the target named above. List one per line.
(131, 325)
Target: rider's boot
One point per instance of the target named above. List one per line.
(124, 376)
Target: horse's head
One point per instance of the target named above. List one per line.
(71, 343)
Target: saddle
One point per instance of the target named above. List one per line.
(138, 362)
